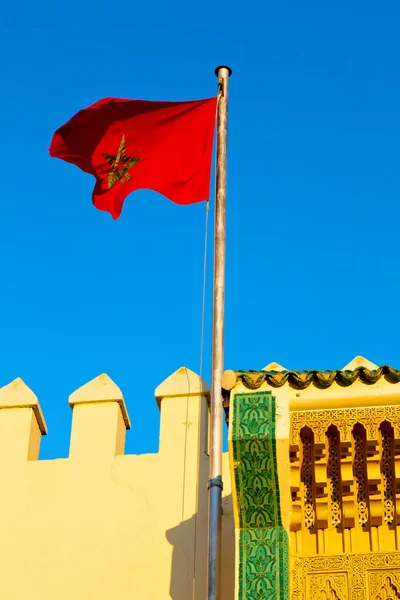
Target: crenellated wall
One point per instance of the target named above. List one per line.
(101, 524)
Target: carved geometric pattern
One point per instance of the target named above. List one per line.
(384, 586)
(387, 473)
(328, 586)
(374, 576)
(344, 420)
(360, 474)
(334, 478)
(263, 542)
(307, 476)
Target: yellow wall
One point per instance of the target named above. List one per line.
(101, 524)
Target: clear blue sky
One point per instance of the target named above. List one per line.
(313, 196)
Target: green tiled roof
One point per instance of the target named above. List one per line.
(300, 380)
(324, 379)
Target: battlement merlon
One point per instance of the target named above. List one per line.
(99, 420)
(183, 401)
(21, 423)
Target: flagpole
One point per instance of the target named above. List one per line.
(215, 482)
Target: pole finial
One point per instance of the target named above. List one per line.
(223, 67)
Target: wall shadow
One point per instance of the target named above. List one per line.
(189, 558)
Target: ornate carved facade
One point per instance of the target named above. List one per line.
(343, 430)
(344, 463)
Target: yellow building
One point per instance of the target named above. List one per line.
(311, 506)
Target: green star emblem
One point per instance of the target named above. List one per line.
(120, 164)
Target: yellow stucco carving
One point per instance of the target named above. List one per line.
(345, 515)
(341, 434)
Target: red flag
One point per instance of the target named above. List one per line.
(134, 144)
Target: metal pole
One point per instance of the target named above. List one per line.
(215, 481)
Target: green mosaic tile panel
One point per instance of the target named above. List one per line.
(263, 569)
(263, 542)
